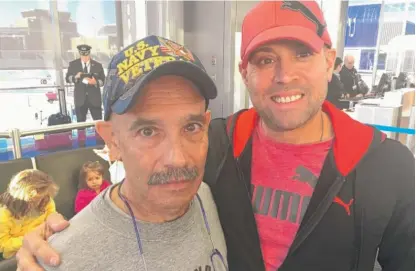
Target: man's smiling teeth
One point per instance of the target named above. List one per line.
(286, 99)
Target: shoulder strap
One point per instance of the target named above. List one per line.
(232, 121)
(217, 149)
(378, 137)
(221, 138)
(241, 124)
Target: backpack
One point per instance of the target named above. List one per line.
(58, 118)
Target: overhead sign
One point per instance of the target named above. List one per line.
(362, 26)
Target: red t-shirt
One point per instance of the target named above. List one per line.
(85, 196)
(283, 177)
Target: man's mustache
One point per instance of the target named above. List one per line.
(172, 175)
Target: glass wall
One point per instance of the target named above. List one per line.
(25, 57)
(372, 29)
(31, 70)
(78, 25)
(381, 37)
(38, 39)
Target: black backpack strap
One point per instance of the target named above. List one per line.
(231, 122)
(217, 150)
(220, 135)
(378, 138)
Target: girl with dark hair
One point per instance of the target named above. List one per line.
(90, 184)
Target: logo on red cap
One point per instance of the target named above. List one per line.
(298, 6)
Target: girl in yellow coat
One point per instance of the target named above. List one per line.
(25, 205)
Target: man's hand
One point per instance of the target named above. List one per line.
(92, 81)
(35, 244)
(78, 76)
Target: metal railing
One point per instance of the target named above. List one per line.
(16, 134)
(4, 135)
(28, 88)
(37, 87)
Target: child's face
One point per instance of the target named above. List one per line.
(94, 180)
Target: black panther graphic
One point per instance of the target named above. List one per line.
(298, 6)
(304, 175)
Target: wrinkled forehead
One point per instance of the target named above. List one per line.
(169, 91)
(165, 101)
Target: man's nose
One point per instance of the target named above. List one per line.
(175, 153)
(285, 71)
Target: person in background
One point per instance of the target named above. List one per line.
(335, 87)
(91, 183)
(349, 78)
(25, 205)
(88, 76)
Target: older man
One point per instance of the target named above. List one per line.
(160, 217)
(349, 77)
(301, 186)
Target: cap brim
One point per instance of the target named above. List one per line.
(297, 33)
(184, 69)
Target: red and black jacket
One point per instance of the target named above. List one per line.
(377, 173)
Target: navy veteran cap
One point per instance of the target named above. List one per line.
(84, 49)
(145, 60)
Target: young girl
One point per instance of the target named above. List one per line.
(91, 184)
(25, 205)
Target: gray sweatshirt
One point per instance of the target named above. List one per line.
(102, 237)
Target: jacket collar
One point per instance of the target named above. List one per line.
(351, 142)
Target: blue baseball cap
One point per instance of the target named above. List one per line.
(145, 60)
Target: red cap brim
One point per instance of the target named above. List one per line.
(297, 33)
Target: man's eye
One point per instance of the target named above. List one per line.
(193, 127)
(265, 61)
(303, 54)
(147, 132)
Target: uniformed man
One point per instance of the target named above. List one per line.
(88, 76)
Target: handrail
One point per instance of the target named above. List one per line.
(58, 128)
(38, 87)
(24, 88)
(16, 134)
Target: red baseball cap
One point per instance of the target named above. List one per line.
(302, 21)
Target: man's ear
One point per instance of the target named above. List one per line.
(243, 72)
(208, 117)
(105, 130)
(330, 56)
